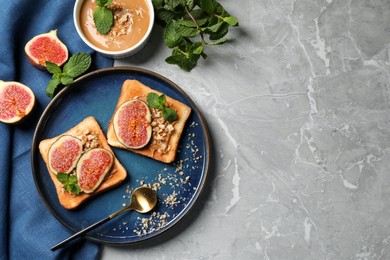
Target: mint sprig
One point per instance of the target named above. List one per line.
(103, 16)
(190, 26)
(76, 65)
(70, 182)
(159, 102)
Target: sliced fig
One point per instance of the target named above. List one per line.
(64, 154)
(132, 124)
(92, 168)
(16, 101)
(46, 47)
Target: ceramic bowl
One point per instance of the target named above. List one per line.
(114, 54)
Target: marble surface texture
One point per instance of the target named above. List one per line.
(298, 108)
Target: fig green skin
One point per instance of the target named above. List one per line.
(148, 118)
(56, 144)
(85, 156)
(19, 119)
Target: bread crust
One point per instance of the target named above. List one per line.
(116, 175)
(135, 89)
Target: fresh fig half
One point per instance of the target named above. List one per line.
(46, 47)
(132, 124)
(16, 101)
(92, 168)
(64, 154)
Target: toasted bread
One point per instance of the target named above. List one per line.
(88, 127)
(134, 89)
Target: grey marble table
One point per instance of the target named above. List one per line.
(298, 108)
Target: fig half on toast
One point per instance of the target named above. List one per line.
(64, 154)
(92, 168)
(132, 124)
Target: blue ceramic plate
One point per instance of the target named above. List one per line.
(178, 184)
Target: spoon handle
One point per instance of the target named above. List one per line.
(80, 233)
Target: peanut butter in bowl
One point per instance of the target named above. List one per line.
(132, 24)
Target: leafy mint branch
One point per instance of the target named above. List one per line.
(76, 65)
(188, 24)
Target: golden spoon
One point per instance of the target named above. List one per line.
(143, 200)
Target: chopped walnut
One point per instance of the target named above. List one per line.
(123, 20)
(90, 141)
(161, 131)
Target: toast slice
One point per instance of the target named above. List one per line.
(91, 134)
(158, 149)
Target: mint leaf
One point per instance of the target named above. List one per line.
(153, 101)
(169, 114)
(191, 23)
(57, 75)
(174, 3)
(218, 42)
(103, 2)
(77, 64)
(162, 99)
(103, 16)
(70, 182)
(159, 102)
(182, 60)
(103, 19)
(165, 15)
(72, 179)
(157, 4)
(215, 27)
(171, 37)
(187, 23)
(197, 14)
(187, 55)
(52, 67)
(62, 177)
(51, 87)
(75, 189)
(65, 80)
(197, 48)
(209, 6)
(72, 188)
(174, 33)
(220, 33)
(186, 31)
(176, 59)
(231, 20)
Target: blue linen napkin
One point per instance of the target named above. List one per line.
(28, 230)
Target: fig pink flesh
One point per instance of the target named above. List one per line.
(47, 49)
(93, 168)
(133, 126)
(64, 156)
(14, 100)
